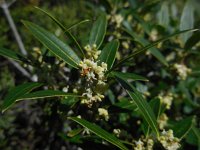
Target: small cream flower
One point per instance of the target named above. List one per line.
(104, 113)
(182, 70)
(116, 19)
(117, 132)
(150, 144)
(91, 97)
(168, 141)
(139, 145)
(94, 73)
(144, 144)
(65, 89)
(125, 44)
(92, 51)
(162, 121)
(166, 99)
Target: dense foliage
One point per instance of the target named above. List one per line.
(107, 74)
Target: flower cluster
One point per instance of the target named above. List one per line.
(93, 71)
(104, 113)
(144, 144)
(139, 145)
(162, 121)
(166, 99)
(182, 70)
(168, 140)
(117, 19)
(91, 97)
(92, 51)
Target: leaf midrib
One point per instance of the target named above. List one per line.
(56, 47)
(149, 117)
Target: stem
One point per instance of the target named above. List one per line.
(21, 69)
(6, 11)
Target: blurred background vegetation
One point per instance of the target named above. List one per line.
(37, 125)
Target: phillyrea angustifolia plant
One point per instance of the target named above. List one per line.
(98, 71)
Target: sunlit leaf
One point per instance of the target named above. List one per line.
(163, 15)
(187, 19)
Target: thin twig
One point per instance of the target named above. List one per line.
(21, 69)
(6, 11)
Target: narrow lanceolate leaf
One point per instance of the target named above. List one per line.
(108, 53)
(65, 30)
(45, 94)
(182, 128)
(193, 136)
(100, 132)
(152, 45)
(163, 15)
(55, 45)
(192, 41)
(130, 76)
(127, 104)
(154, 51)
(187, 19)
(98, 31)
(11, 54)
(156, 106)
(17, 92)
(142, 105)
(77, 24)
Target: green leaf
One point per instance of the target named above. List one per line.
(194, 39)
(163, 15)
(53, 18)
(127, 76)
(74, 132)
(44, 94)
(65, 30)
(142, 105)
(193, 137)
(182, 127)
(100, 132)
(152, 45)
(17, 92)
(56, 46)
(98, 31)
(188, 97)
(12, 54)
(77, 24)
(109, 52)
(187, 19)
(126, 104)
(156, 106)
(154, 51)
